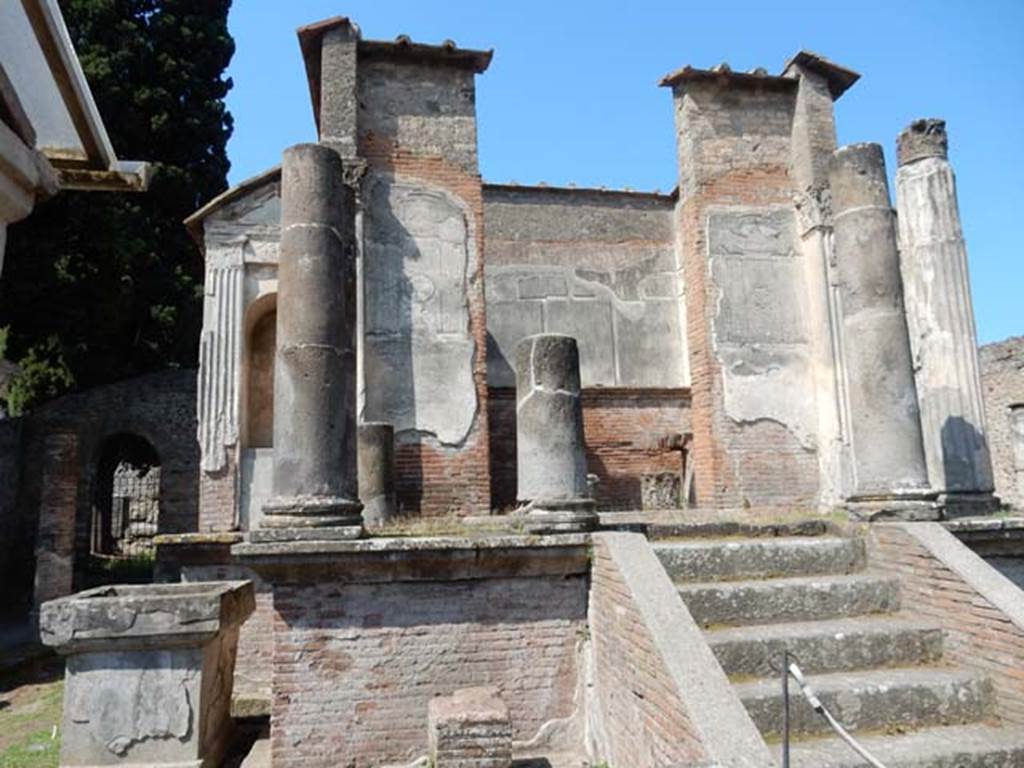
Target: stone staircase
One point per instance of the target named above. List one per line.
(880, 672)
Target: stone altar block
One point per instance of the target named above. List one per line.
(149, 671)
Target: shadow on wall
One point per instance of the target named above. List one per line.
(389, 293)
(963, 448)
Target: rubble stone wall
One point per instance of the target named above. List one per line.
(158, 407)
(1002, 383)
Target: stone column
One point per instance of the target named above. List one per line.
(377, 472)
(941, 320)
(315, 477)
(552, 466)
(887, 474)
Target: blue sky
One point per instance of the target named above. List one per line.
(572, 95)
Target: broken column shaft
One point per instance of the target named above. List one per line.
(941, 320)
(551, 459)
(315, 478)
(887, 457)
(377, 472)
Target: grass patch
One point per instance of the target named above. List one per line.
(31, 701)
(40, 750)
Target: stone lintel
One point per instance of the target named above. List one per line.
(128, 617)
(383, 560)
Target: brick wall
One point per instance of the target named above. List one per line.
(944, 582)
(642, 712)
(1002, 382)
(158, 407)
(356, 665)
(629, 433)
(55, 540)
(12, 533)
(254, 662)
(657, 696)
(218, 495)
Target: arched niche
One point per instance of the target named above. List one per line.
(258, 373)
(125, 509)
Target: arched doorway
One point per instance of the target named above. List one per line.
(125, 510)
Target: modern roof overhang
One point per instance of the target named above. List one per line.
(46, 101)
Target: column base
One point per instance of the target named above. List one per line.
(905, 507)
(312, 518)
(561, 516)
(969, 504)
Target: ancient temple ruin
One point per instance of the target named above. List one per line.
(629, 409)
(731, 327)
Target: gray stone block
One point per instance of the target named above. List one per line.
(149, 671)
(874, 700)
(760, 558)
(826, 646)
(796, 599)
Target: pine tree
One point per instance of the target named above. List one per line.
(100, 286)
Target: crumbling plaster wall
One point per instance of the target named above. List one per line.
(425, 348)
(1002, 383)
(599, 266)
(596, 265)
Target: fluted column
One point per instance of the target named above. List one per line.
(887, 466)
(941, 320)
(551, 459)
(315, 478)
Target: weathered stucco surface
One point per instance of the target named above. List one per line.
(595, 265)
(418, 349)
(760, 332)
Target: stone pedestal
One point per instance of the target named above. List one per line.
(886, 467)
(377, 473)
(940, 316)
(552, 466)
(470, 729)
(315, 477)
(149, 671)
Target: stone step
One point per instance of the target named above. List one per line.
(836, 645)
(804, 598)
(957, 746)
(874, 700)
(734, 559)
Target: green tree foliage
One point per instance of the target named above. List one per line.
(100, 286)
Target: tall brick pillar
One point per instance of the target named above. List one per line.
(55, 540)
(933, 259)
(749, 334)
(315, 440)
